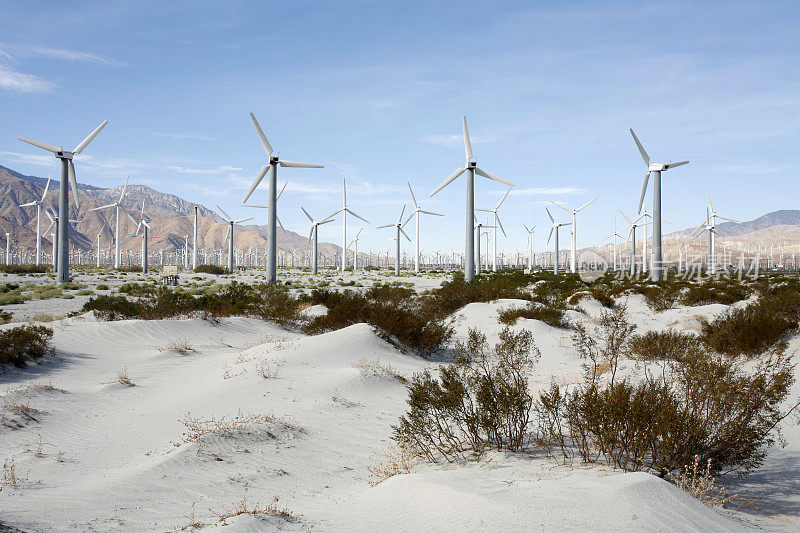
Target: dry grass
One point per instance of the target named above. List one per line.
(345, 402)
(12, 478)
(265, 370)
(264, 511)
(381, 369)
(263, 425)
(181, 346)
(701, 484)
(122, 377)
(400, 459)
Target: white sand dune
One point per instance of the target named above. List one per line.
(112, 457)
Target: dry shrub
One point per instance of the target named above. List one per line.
(550, 315)
(265, 371)
(614, 335)
(478, 402)
(400, 459)
(264, 425)
(381, 369)
(264, 511)
(181, 346)
(22, 344)
(122, 377)
(660, 345)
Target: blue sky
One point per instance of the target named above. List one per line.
(375, 91)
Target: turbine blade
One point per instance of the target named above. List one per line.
(244, 220)
(431, 213)
(259, 206)
(526, 227)
(414, 198)
(279, 222)
(344, 191)
(550, 236)
(297, 164)
(467, 143)
(491, 176)
(224, 213)
(402, 212)
(261, 174)
(644, 190)
(708, 195)
(45, 146)
(562, 206)
(334, 213)
(673, 165)
(447, 181)
(728, 219)
(282, 189)
(549, 215)
(411, 215)
(307, 215)
(501, 226)
(129, 216)
(73, 183)
(264, 141)
(357, 234)
(311, 233)
(587, 204)
(625, 216)
(46, 187)
(29, 204)
(386, 226)
(358, 216)
(645, 157)
(51, 217)
(503, 199)
(103, 207)
(122, 194)
(404, 234)
(483, 209)
(52, 223)
(324, 221)
(78, 149)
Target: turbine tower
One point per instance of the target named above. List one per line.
(8, 244)
(554, 229)
(38, 204)
(416, 213)
(194, 242)
(344, 210)
(656, 169)
(398, 229)
(471, 168)
(142, 224)
(229, 234)
(272, 168)
(531, 233)
(313, 235)
(496, 224)
(632, 225)
(117, 205)
(354, 244)
(67, 174)
(574, 244)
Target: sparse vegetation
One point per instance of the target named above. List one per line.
(210, 269)
(22, 344)
(550, 315)
(122, 377)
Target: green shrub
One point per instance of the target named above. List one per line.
(5, 317)
(21, 344)
(552, 316)
(24, 269)
(661, 296)
(102, 287)
(481, 401)
(723, 291)
(210, 269)
(129, 268)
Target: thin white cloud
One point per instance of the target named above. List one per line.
(205, 171)
(30, 159)
(547, 191)
(751, 168)
(72, 55)
(209, 191)
(20, 82)
(456, 141)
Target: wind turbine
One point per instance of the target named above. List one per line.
(229, 234)
(417, 212)
(38, 204)
(614, 237)
(8, 244)
(656, 169)
(116, 205)
(67, 174)
(277, 218)
(54, 223)
(554, 229)
(194, 241)
(272, 168)
(139, 225)
(471, 168)
(344, 210)
(399, 229)
(354, 244)
(710, 224)
(574, 250)
(313, 235)
(531, 232)
(496, 224)
(632, 225)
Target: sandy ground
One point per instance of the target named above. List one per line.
(101, 455)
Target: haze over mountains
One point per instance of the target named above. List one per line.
(171, 218)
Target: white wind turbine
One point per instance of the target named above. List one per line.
(574, 244)
(67, 174)
(344, 210)
(531, 234)
(38, 204)
(416, 213)
(656, 169)
(54, 223)
(142, 224)
(496, 224)
(313, 238)
(398, 230)
(229, 234)
(8, 244)
(354, 244)
(272, 168)
(554, 229)
(471, 168)
(710, 224)
(614, 237)
(632, 225)
(117, 206)
(479, 227)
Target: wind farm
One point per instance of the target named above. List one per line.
(378, 341)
